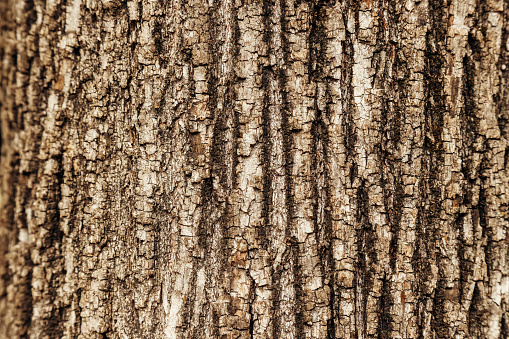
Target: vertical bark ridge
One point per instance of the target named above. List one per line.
(226, 96)
(15, 286)
(363, 183)
(485, 42)
(202, 137)
(322, 214)
(411, 86)
(503, 115)
(279, 211)
(311, 303)
(208, 45)
(471, 229)
(97, 146)
(192, 219)
(321, 217)
(338, 53)
(245, 168)
(371, 31)
(389, 182)
(38, 171)
(248, 266)
(447, 235)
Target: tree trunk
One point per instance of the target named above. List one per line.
(254, 169)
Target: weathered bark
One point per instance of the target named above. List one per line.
(254, 168)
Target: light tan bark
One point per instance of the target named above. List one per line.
(254, 168)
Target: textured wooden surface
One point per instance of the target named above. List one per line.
(254, 169)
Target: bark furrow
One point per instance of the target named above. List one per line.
(254, 169)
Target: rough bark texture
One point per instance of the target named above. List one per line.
(254, 169)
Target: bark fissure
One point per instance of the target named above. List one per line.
(254, 169)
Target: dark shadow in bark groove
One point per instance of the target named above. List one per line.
(51, 249)
(324, 234)
(251, 319)
(385, 302)
(299, 293)
(441, 328)
(209, 203)
(420, 262)
(294, 252)
(435, 108)
(267, 75)
(504, 328)
(292, 247)
(476, 313)
(393, 217)
(31, 13)
(366, 255)
(321, 184)
(503, 65)
(276, 278)
(287, 136)
(277, 74)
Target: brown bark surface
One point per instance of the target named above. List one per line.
(254, 169)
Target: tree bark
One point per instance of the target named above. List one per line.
(254, 169)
